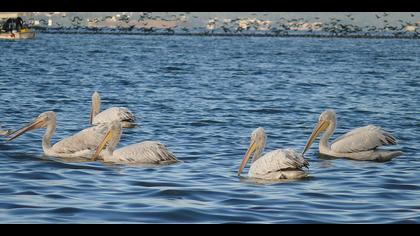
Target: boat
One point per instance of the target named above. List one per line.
(12, 27)
(17, 35)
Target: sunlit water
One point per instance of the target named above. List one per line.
(202, 97)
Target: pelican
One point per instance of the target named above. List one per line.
(148, 152)
(277, 164)
(121, 114)
(358, 144)
(82, 144)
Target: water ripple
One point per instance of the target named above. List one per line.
(202, 97)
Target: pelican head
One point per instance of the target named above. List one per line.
(326, 120)
(112, 138)
(96, 106)
(41, 121)
(257, 145)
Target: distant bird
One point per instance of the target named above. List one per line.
(121, 114)
(358, 144)
(170, 30)
(148, 152)
(148, 30)
(225, 29)
(82, 144)
(77, 18)
(43, 21)
(277, 164)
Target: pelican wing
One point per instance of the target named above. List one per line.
(87, 139)
(362, 139)
(149, 152)
(114, 113)
(278, 160)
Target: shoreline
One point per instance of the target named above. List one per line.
(232, 35)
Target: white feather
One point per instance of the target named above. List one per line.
(279, 164)
(148, 152)
(85, 140)
(362, 139)
(121, 114)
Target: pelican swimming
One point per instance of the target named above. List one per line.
(358, 144)
(277, 164)
(82, 144)
(148, 152)
(121, 114)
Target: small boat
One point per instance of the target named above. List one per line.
(12, 26)
(17, 35)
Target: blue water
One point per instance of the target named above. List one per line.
(202, 97)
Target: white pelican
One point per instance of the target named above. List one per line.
(277, 164)
(358, 144)
(121, 114)
(82, 144)
(148, 152)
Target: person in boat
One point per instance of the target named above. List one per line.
(19, 23)
(5, 26)
(9, 25)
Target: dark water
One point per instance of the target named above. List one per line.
(202, 97)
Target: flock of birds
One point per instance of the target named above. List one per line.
(281, 27)
(99, 142)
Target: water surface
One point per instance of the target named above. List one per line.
(202, 97)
